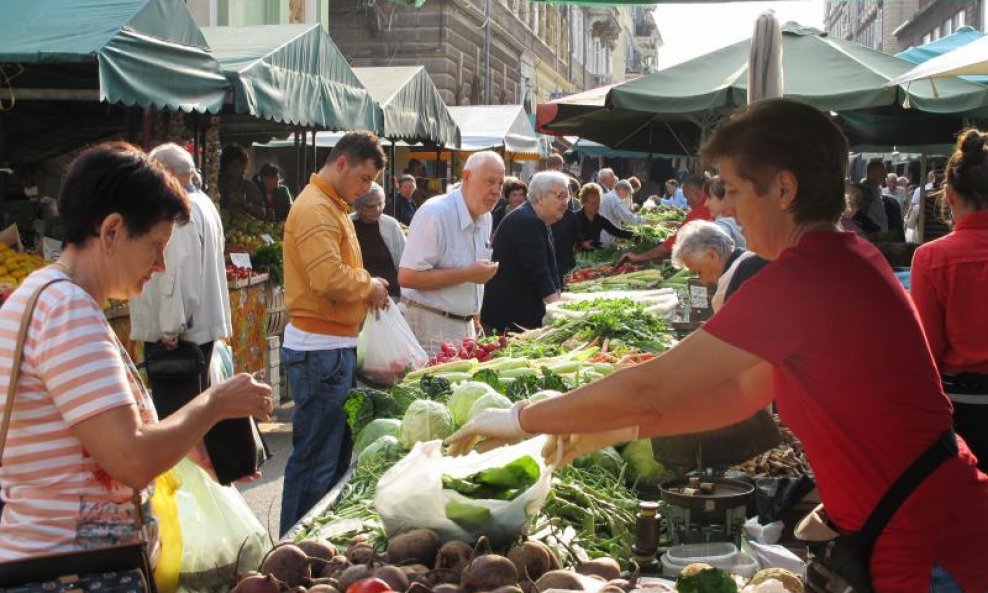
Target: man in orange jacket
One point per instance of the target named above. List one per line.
(327, 294)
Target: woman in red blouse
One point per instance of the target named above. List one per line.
(949, 281)
(866, 402)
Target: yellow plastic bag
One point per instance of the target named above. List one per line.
(165, 507)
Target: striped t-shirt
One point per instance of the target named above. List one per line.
(57, 497)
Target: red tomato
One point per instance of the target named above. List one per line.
(369, 586)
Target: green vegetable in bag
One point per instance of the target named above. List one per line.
(497, 483)
(466, 515)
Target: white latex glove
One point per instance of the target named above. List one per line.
(500, 426)
(579, 444)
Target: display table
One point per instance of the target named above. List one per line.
(249, 310)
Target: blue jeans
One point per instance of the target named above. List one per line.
(321, 440)
(942, 582)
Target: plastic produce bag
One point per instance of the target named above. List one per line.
(387, 348)
(411, 495)
(164, 504)
(220, 535)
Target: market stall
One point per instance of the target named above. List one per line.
(621, 503)
(505, 128)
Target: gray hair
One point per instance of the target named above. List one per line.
(174, 158)
(625, 185)
(375, 190)
(543, 182)
(479, 159)
(696, 237)
(605, 171)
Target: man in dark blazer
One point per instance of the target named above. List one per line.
(528, 277)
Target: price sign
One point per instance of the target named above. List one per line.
(267, 239)
(241, 260)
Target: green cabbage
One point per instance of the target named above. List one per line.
(464, 396)
(385, 448)
(488, 402)
(425, 420)
(544, 394)
(607, 459)
(642, 466)
(375, 430)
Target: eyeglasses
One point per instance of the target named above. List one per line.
(562, 196)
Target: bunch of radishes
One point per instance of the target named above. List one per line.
(482, 349)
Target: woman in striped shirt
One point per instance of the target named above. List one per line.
(84, 436)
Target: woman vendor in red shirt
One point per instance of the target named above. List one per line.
(949, 281)
(866, 404)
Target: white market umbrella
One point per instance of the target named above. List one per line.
(765, 59)
(967, 60)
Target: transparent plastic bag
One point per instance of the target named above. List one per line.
(387, 348)
(221, 537)
(410, 495)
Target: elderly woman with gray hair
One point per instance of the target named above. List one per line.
(707, 250)
(380, 238)
(528, 275)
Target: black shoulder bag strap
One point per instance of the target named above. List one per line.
(845, 565)
(943, 449)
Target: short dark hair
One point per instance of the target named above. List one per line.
(405, 178)
(511, 184)
(233, 153)
(872, 165)
(573, 185)
(116, 177)
(967, 169)
(270, 170)
(672, 181)
(770, 136)
(554, 159)
(358, 147)
(697, 181)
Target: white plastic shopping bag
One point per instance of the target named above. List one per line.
(410, 495)
(221, 537)
(387, 348)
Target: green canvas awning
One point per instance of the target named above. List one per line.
(148, 53)
(413, 108)
(292, 74)
(669, 111)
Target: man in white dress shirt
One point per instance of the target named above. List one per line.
(446, 261)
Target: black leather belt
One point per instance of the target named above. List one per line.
(436, 311)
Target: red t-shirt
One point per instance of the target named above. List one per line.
(856, 382)
(949, 284)
(700, 212)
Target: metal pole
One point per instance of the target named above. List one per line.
(394, 187)
(315, 153)
(487, 52)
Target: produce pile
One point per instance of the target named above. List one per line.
(417, 561)
(617, 325)
(591, 507)
(246, 234)
(593, 273)
(243, 231)
(15, 266)
(786, 460)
